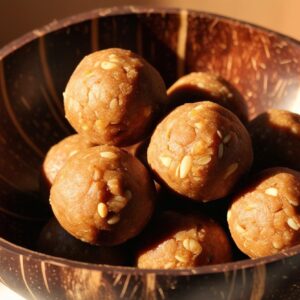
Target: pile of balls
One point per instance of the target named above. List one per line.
(142, 154)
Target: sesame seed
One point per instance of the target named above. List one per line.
(97, 64)
(120, 199)
(277, 245)
(89, 74)
(185, 244)
(231, 169)
(96, 175)
(169, 265)
(113, 58)
(293, 224)
(169, 129)
(114, 186)
(94, 189)
(131, 73)
(198, 125)
(287, 236)
(249, 207)
(166, 161)
(293, 202)
(294, 129)
(192, 245)
(220, 150)
(219, 134)
(108, 154)
(203, 160)
(113, 104)
(106, 65)
(180, 236)
(181, 258)
(185, 166)
(198, 107)
(177, 171)
(228, 214)
(113, 220)
(102, 210)
(288, 210)
(115, 122)
(193, 114)
(127, 68)
(84, 127)
(73, 153)
(227, 138)
(200, 85)
(271, 191)
(116, 206)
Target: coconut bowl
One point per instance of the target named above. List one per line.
(34, 69)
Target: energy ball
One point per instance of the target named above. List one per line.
(199, 86)
(54, 240)
(114, 97)
(60, 153)
(264, 218)
(177, 241)
(103, 195)
(200, 150)
(276, 139)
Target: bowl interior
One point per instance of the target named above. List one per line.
(262, 65)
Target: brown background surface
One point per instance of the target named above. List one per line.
(20, 16)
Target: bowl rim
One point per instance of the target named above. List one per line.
(123, 10)
(201, 270)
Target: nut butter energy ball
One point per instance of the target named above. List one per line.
(54, 240)
(265, 217)
(200, 150)
(199, 86)
(177, 241)
(103, 195)
(60, 153)
(276, 139)
(114, 97)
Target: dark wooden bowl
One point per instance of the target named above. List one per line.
(263, 65)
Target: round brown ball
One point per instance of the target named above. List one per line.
(264, 218)
(54, 240)
(200, 150)
(103, 195)
(176, 241)
(276, 139)
(59, 153)
(197, 86)
(114, 97)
